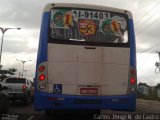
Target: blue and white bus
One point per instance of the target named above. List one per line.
(86, 59)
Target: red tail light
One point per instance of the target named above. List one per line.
(133, 72)
(132, 80)
(41, 68)
(42, 77)
(24, 87)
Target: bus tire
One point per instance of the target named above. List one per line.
(27, 100)
(48, 112)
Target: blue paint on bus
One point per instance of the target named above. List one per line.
(132, 44)
(43, 42)
(50, 101)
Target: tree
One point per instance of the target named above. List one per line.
(12, 71)
(6, 73)
(158, 86)
(2, 77)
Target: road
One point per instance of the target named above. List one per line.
(144, 107)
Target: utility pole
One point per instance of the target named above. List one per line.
(157, 64)
(3, 30)
(26, 71)
(20, 75)
(23, 62)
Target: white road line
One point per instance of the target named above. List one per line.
(30, 118)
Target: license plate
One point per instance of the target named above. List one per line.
(89, 91)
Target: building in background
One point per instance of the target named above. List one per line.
(158, 90)
(150, 92)
(143, 88)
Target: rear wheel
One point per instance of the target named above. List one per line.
(48, 112)
(28, 99)
(6, 107)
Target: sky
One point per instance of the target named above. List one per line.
(26, 14)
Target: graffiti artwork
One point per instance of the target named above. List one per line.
(87, 27)
(91, 25)
(62, 19)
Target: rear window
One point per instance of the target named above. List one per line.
(16, 80)
(88, 26)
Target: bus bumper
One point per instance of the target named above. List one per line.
(45, 101)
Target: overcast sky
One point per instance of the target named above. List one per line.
(26, 14)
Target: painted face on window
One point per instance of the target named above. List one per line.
(83, 29)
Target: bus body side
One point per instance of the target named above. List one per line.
(70, 68)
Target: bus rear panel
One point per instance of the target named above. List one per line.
(86, 59)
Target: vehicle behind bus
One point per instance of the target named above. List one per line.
(86, 59)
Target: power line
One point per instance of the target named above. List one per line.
(149, 25)
(157, 45)
(140, 19)
(146, 20)
(150, 48)
(156, 48)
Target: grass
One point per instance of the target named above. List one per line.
(148, 97)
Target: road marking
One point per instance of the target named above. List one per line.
(30, 118)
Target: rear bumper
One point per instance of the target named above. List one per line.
(44, 101)
(17, 96)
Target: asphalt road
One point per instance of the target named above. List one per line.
(145, 108)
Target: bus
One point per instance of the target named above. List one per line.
(86, 59)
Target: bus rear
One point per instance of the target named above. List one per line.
(86, 59)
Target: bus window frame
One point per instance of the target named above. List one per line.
(70, 42)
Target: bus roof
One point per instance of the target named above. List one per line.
(78, 5)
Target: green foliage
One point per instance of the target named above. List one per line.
(6, 73)
(2, 77)
(158, 85)
(12, 71)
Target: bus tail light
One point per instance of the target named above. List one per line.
(132, 80)
(132, 84)
(42, 76)
(41, 68)
(42, 86)
(133, 72)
